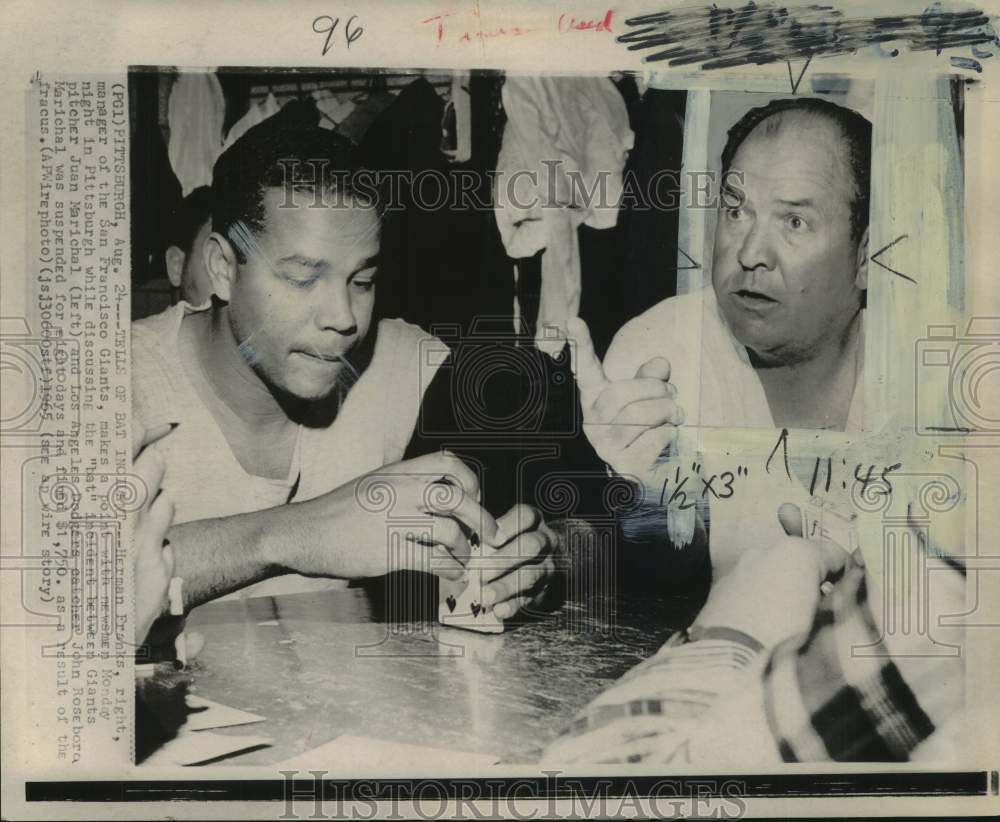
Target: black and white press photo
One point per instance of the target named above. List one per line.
(496, 409)
(428, 367)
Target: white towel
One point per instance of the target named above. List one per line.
(196, 111)
(560, 165)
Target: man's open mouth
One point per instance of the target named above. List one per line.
(755, 297)
(316, 355)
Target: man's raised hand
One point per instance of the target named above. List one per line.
(628, 422)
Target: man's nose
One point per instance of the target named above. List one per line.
(756, 250)
(333, 310)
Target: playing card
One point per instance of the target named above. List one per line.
(206, 714)
(822, 519)
(460, 604)
(203, 746)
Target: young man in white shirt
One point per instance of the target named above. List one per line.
(294, 408)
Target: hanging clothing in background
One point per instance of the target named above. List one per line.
(333, 108)
(442, 261)
(255, 114)
(603, 280)
(156, 194)
(195, 113)
(650, 233)
(367, 110)
(405, 140)
(571, 134)
(406, 132)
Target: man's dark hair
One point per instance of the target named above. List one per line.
(855, 129)
(192, 213)
(287, 151)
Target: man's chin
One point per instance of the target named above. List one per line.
(312, 379)
(299, 389)
(764, 349)
(753, 335)
(311, 392)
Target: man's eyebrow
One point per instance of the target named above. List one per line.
(731, 191)
(370, 262)
(804, 202)
(299, 259)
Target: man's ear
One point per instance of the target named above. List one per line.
(861, 275)
(220, 262)
(174, 257)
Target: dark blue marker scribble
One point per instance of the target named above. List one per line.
(967, 63)
(756, 34)
(875, 259)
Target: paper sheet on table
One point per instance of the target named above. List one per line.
(204, 746)
(361, 753)
(215, 715)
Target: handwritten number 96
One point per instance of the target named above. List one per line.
(325, 24)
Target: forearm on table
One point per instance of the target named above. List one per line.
(221, 555)
(654, 712)
(659, 708)
(217, 556)
(771, 594)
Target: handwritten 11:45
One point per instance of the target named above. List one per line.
(824, 468)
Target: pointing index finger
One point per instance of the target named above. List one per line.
(587, 368)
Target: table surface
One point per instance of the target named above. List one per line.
(323, 664)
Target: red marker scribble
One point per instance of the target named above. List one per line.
(568, 23)
(467, 35)
(513, 31)
(439, 18)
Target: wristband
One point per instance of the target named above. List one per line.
(694, 633)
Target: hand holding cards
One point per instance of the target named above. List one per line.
(822, 520)
(826, 520)
(507, 571)
(772, 592)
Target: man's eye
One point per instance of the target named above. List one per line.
(298, 282)
(796, 223)
(364, 285)
(735, 212)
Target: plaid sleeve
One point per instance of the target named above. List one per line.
(837, 694)
(650, 714)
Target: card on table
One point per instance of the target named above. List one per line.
(460, 604)
(206, 714)
(201, 747)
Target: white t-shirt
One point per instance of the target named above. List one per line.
(716, 383)
(372, 429)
